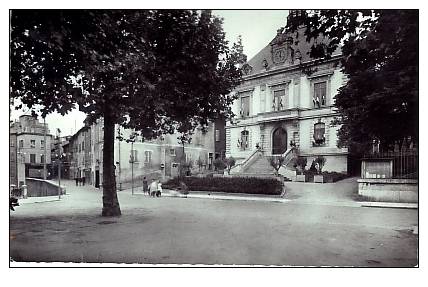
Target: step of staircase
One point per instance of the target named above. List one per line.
(259, 166)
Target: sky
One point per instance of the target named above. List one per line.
(257, 28)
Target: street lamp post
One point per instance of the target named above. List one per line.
(44, 142)
(60, 156)
(132, 159)
(59, 176)
(21, 171)
(132, 167)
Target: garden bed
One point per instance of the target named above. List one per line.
(329, 177)
(249, 185)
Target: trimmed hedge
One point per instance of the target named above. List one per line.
(250, 185)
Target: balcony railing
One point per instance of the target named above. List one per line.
(278, 115)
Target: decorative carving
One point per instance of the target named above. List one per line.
(279, 55)
(282, 50)
(247, 69)
(265, 64)
(298, 56)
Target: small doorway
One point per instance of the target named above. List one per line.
(97, 179)
(279, 141)
(175, 169)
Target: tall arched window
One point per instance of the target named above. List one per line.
(319, 134)
(243, 143)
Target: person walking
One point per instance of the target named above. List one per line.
(159, 191)
(145, 186)
(154, 188)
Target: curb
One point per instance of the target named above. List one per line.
(231, 197)
(390, 205)
(39, 200)
(221, 197)
(170, 193)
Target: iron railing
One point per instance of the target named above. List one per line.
(405, 164)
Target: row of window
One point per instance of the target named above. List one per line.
(318, 137)
(280, 96)
(133, 157)
(33, 158)
(32, 144)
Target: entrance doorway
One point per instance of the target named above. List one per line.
(279, 141)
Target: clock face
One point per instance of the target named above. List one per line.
(279, 55)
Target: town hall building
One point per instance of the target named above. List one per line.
(279, 105)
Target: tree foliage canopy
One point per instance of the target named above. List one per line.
(380, 59)
(155, 71)
(161, 71)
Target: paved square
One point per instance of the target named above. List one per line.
(206, 231)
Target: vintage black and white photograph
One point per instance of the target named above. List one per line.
(214, 138)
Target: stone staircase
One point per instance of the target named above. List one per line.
(257, 165)
(260, 165)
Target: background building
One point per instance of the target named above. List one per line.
(60, 152)
(220, 138)
(79, 155)
(156, 158)
(30, 144)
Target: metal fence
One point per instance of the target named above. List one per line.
(404, 163)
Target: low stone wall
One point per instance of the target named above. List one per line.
(39, 187)
(388, 190)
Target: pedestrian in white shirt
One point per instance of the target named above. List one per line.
(154, 188)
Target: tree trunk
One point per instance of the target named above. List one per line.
(110, 202)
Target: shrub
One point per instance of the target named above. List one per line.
(328, 176)
(319, 163)
(250, 185)
(276, 162)
(229, 162)
(313, 168)
(219, 164)
(301, 162)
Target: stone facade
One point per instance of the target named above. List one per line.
(160, 156)
(27, 149)
(80, 147)
(278, 104)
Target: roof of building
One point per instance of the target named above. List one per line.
(82, 129)
(299, 46)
